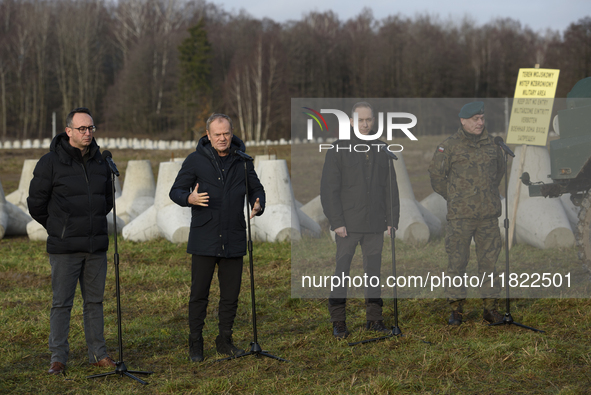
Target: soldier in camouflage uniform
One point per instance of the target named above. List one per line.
(466, 170)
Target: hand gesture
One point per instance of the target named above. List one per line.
(198, 199)
(255, 209)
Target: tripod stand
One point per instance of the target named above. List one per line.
(120, 369)
(395, 329)
(507, 318)
(255, 348)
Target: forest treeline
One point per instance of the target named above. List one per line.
(160, 67)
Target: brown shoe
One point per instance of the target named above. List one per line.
(106, 362)
(492, 316)
(56, 368)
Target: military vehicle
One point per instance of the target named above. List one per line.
(570, 162)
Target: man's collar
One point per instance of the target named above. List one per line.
(475, 138)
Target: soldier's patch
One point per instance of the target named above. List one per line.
(440, 149)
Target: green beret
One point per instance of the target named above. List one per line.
(471, 109)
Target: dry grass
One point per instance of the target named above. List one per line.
(431, 357)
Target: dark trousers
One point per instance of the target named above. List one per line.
(371, 247)
(229, 277)
(67, 270)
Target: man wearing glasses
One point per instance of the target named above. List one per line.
(70, 195)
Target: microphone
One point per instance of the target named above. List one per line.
(241, 154)
(525, 179)
(108, 158)
(390, 154)
(500, 143)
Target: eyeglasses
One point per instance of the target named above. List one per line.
(83, 129)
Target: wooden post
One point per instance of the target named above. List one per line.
(513, 216)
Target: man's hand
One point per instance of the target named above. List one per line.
(390, 230)
(198, 199)
(341, 232)
(255, 209)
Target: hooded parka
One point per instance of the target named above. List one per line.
(218, 229)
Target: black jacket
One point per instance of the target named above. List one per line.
(70, 199)
(220, 228)
(354, 190)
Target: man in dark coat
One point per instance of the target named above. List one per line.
(70, 195)
(211, 181)
(466, 170)
(355, 196)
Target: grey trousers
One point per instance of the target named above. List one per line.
(66, 271)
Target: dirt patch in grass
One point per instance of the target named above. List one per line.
(12, 279)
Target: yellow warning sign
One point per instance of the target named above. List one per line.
(532, 106)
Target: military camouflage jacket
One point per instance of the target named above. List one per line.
(466, 170)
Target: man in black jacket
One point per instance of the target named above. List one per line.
(211, 181)
(355, 196)
(70, 195)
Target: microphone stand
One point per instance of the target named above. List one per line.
(395, 329)
(255, 348)
(508, 319)
(120, 369)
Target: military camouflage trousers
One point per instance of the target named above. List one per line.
(458, 237)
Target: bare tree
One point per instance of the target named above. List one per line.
(40, 21)
(575, 53)
(3, 73)
(361, 54)
(5, 24)
(121, 59)
(131, 24)
(253, 82)
(316, 56)
(80, 54)
(169, 19)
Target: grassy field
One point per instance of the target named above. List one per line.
(431, 357)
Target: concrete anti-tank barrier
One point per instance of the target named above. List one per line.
(3, 213)
(173, 220)
(541, 222)
(164, 218)
(19, 197)
(280, 220)
(412, 227)
(138, 192)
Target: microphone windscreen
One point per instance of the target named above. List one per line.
(498, 140)
(107, 154)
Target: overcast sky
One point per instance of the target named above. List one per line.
(538, 15)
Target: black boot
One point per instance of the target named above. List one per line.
(455, 318)
(492, 316)
(377, 326)
(224, 345)
(196, 347)
(339, 329)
